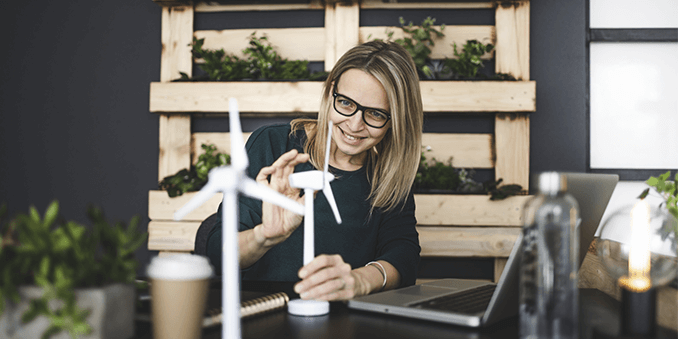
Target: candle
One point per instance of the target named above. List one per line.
(638, 296)
(638, 279)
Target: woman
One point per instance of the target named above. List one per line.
(372, 97)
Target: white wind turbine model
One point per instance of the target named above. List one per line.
(232, 180)
(312, 181)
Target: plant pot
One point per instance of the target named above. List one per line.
(111, 313)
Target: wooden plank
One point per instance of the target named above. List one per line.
(499, 265)
(512, 19)
(279, 97)
(174, 144)
(289, 43)
(466, 150)
(304, 96)
(330, 37)
(443, 46)
(162, 208)
(592, 274)
(172, 235)
(176, 33)
(478, 96)
(346, 27)
(432, 209)
(469, 210)
(512, 147)
(175, 131)
(467, 241)
(208, 8)
(379, 4)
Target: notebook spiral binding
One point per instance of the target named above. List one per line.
(251, 307)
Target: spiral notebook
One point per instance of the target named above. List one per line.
(477, 303)
(252, 304)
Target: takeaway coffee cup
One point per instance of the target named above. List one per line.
(179, 287)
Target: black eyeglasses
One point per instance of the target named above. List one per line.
(373, 117)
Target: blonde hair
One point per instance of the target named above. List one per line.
(392, 164)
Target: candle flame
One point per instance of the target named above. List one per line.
(638, 279)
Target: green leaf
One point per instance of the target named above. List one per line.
(36, 307)
(50, 331)
(665, 176)
(34, 215)
(644, 194)
(652, 181)
(51, 214)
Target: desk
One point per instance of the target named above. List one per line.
(597, 310)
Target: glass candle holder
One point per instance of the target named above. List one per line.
(637, 246)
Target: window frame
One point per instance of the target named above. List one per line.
(629, 35)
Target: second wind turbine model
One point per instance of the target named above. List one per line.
(312, 181)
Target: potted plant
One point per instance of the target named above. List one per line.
(61, 278)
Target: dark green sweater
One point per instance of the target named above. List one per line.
(359, 239)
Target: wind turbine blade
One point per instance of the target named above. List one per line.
(200, 198)
(239, 159)
(252, 189)
(327, 190)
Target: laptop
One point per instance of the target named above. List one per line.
(485, 303)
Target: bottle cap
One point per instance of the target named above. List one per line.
(552, 182)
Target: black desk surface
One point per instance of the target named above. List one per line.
(599, 313)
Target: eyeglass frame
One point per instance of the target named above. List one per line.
(359, 107)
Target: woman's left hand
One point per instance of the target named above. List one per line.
(328, 277)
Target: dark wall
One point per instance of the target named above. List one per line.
(74, 88)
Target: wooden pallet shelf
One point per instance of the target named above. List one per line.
(451, 225)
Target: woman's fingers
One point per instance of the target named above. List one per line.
(327, 277)
(277, 174)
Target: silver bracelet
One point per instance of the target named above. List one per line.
(381, 270)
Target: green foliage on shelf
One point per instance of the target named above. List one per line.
(193, 179)
(60, 256)
(261, 62)
(668, 190)
(498, 192)
(435, 175)
(466, 66)
(469, 61)
(420, 42)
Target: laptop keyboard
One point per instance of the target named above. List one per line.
(469, 302)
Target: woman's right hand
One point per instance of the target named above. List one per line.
(277, 222)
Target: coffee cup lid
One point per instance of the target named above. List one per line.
(180, 267)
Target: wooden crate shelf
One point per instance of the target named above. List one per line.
(451, 225)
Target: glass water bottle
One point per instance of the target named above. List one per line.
(549, 262)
